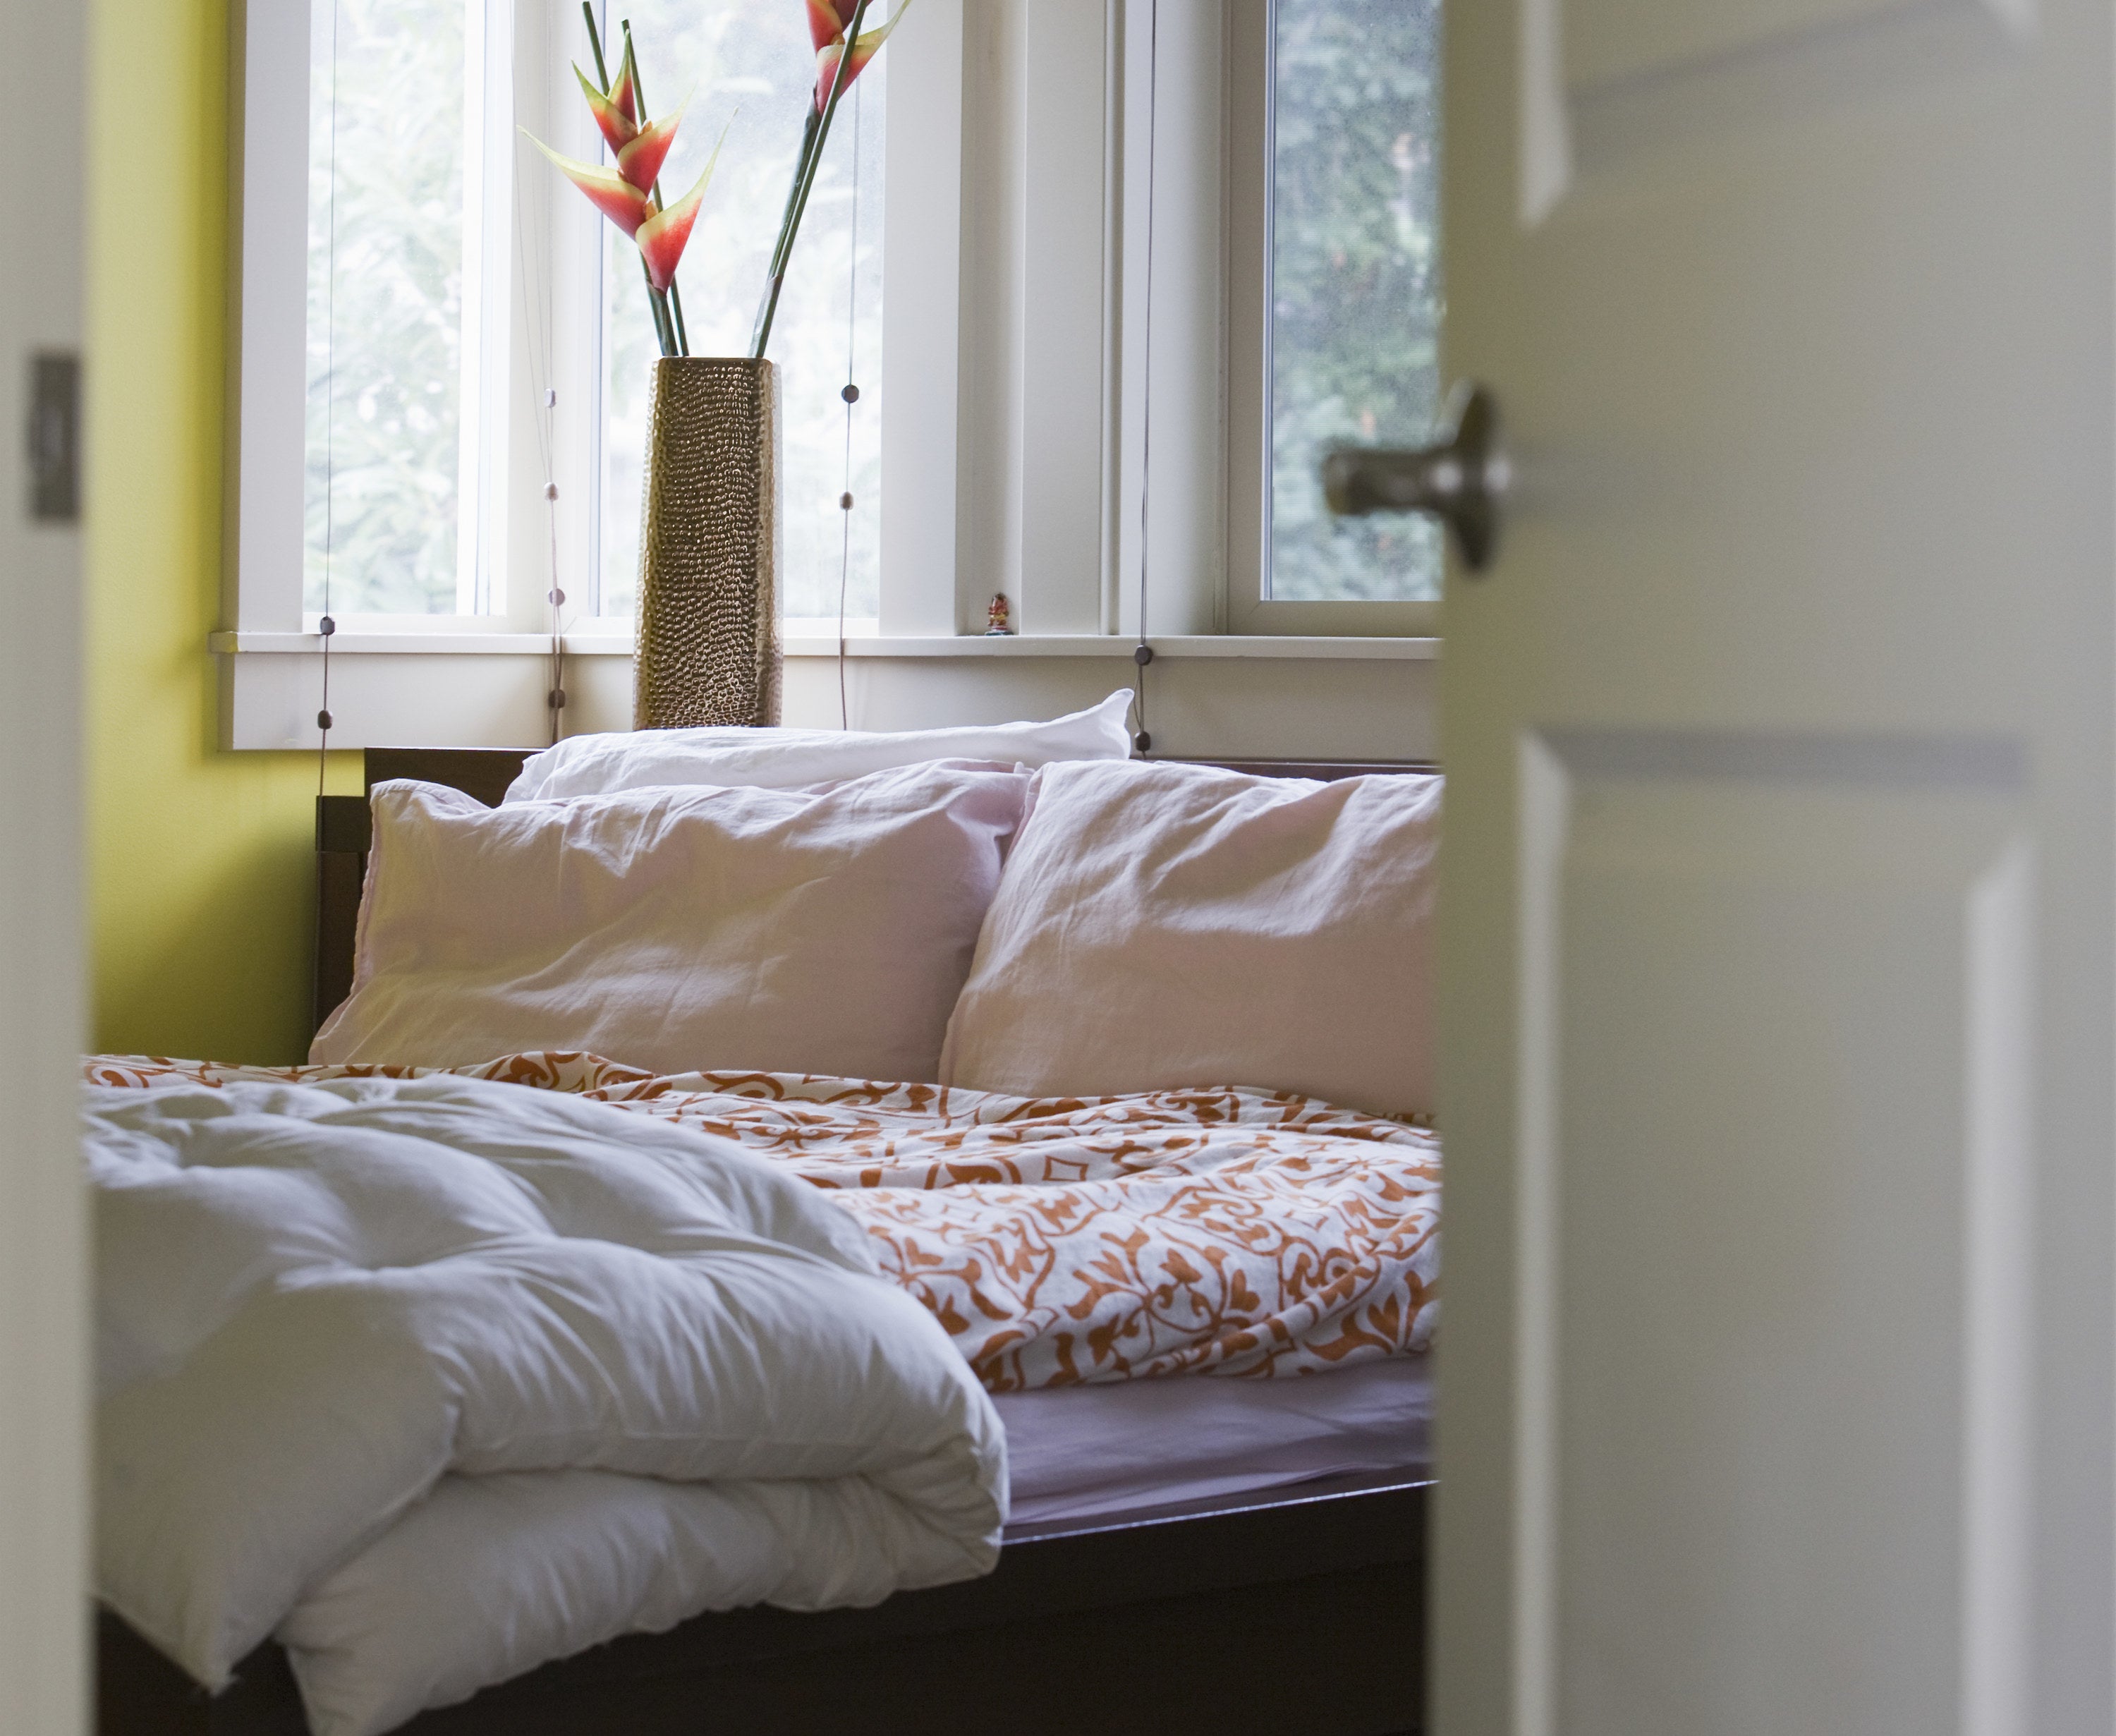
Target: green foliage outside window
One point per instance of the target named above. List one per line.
(1355, 300)
(385, 334)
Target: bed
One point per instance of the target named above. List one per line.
(1273, 1582)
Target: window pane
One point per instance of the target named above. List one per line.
(385, 305)
(761, 57)
(1354, 282)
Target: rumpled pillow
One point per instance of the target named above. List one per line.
(813, 931)
(1162, 926)
(790, 759)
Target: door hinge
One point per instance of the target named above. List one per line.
(54, 437)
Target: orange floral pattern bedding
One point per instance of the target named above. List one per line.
(1065, 1240)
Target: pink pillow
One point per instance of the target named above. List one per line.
(799, 930)
(1161, 926)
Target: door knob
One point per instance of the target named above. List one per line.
(1462, 481)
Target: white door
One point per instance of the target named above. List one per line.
(1777, 1374)
(44, 1269)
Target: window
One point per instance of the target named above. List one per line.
(760, 58)
(435, 328)
(1334, 304)
(421, 244)
(1354, 288)
(406, 317)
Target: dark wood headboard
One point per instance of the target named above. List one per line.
(343, 830)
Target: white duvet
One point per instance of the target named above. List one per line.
(440, 1379)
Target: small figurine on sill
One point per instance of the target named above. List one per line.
(995, 618)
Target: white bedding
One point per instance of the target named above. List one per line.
(1079, 1452)
(736, 755)
(440, 1378)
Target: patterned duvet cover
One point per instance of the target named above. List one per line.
(1226, 1231)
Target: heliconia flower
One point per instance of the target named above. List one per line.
(829, 50)
(640, 160)
(663, 236)
(624, 205)
(617, 124)
(624, 94)
(828, 20)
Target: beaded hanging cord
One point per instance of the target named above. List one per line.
(537, 310)
(851, 394)
(327, 627)
(538, 315)
(1142, 653)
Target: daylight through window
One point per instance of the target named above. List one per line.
(1354, 299)
(395, 432)
(759, 56)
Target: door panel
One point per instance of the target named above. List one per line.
(1777, 944)
(1753, 1155)
(1602, 97)
(44, 1516)
(1609, 41)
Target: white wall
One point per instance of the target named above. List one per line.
(43, 1283)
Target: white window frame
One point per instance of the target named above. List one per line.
(272, 209)
(1011, 415)
(488, 146)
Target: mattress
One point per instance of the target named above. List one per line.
(1084, 1452)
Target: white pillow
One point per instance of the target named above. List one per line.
(816, 931)
(790, 759)
(1161, 926)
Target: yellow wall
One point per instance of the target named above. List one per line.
(203, 873)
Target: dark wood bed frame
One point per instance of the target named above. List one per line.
(1288, 1612)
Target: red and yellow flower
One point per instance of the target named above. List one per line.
(626, 192)
(828, 22)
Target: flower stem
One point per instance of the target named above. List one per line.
(776, 277)
(665, 332)
(812, 140)
(762, 335)
(595, 42)
(674, 299)
(814, 122)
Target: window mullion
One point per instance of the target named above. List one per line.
(542, 266)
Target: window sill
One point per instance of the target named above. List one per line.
(1288, 647)
(1232, 696)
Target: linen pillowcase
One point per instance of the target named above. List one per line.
(1161, 926)
(818, 931)
(791, 759)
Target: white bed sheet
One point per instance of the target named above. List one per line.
(1079, 1452)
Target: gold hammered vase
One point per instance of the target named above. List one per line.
(710, 546)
